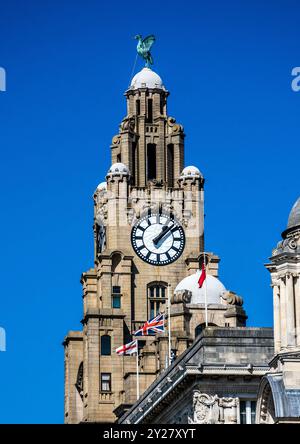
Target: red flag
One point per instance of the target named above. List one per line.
(202, 276)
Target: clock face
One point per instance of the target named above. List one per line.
(158, 239)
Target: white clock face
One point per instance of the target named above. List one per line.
(158, 239)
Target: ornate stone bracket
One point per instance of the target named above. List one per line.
(232, 298)
(181, 296)
(210, 409)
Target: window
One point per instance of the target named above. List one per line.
(150, 111)
(247, 412)
(105, 345)
(116, 297)
(138, 107)
(151, 161)
(119, 158)
(170, 164)
(162, 105)
(105, 382)
(134, 166)
(156, 298)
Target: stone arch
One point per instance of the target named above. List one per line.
(265, 410)
(116, 259)
(156, 297)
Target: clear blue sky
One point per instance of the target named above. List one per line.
(228, 67)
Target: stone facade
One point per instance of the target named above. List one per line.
(212, 382)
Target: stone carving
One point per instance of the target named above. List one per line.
(79, 380)
(266, 410)
(127, 124)
(289, 245)
(155, 183)
(209, 409)
(116, 140)
(232, 298)
(181, 296)
(175, 127)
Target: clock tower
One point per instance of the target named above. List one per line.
(148, 237)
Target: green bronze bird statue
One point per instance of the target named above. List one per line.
(143, 48)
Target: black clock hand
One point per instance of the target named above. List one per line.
(165, 230)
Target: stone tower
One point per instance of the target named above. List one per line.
(279, 397)
(148, 236)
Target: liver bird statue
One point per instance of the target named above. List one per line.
(143, 48)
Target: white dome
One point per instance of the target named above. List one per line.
(118, 168)
(191, 171)
(214, 289)
(102, 186)
(146, 79)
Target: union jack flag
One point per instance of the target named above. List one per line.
(155, 325)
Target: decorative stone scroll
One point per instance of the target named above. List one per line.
(116, 140)
(232, 298)
(174, 127)
(181, 296)
(209, 409)
(127, 124)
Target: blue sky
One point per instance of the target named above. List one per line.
(228, 67)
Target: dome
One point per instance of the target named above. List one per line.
(146, 78)
(214, 289)
(118, 168)
(294, 217)
(102, 186)
(191, 171)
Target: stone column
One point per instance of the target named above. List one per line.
(276, 305)
(283, 327)
(297, 307)
(290, 310)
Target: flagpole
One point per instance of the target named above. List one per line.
(137, 371)
(169, 324)
(205, 291)
(204, 259)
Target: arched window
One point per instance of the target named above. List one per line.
(157, 298)
(105, 345)
(151, 161)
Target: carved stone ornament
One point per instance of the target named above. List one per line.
(155, 183)
(232, 298)
(266, 409)
(289, 245)
(116, 140)
(205, 409)
(175, 127)
(127, 124)
(181, 296)
(79, 380)
(209, 409)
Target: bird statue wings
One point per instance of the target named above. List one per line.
(143, 48)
